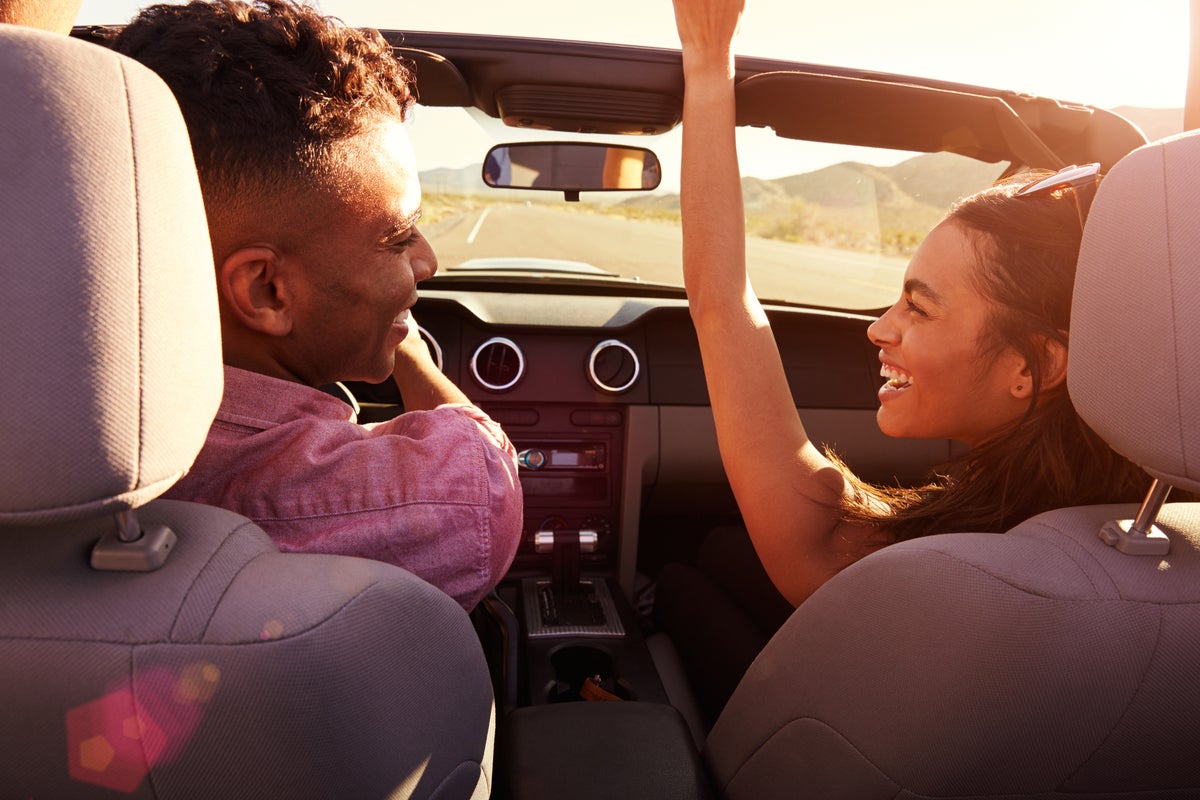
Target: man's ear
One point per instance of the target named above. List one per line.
(252, 285)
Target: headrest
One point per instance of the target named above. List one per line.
(111, 357)
(1134, 360)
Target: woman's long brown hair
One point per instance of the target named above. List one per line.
(1026, 249)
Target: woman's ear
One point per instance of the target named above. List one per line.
(254, 291)
(1054, 364)
(1021, 384)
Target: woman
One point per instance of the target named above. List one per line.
(973, 350)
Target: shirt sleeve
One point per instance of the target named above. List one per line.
(501, 516)
(435, 492)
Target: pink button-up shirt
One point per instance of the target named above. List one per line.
(435, 492)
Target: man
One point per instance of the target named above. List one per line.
(312, 199)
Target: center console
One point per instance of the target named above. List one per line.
(561, 634)
(578, 632)
(570, 461)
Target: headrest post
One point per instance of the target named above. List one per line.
(1141, 536)
(128, 529)
(129, 547)
(1144, 523)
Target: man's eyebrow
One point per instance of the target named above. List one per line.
(402, 226)
(918, 286)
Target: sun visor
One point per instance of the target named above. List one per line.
(868, 113)
(439, 83)
(584, 109)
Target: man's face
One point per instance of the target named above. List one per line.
(359, 263)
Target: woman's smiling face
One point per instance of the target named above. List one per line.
(940, 382)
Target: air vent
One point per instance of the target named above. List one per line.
(613, 366)
(498, 364)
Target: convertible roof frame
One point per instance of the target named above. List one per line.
(588, 87)
(591, 88)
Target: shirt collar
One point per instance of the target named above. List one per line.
(262, 401)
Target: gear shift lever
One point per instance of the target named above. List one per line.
(566, 601)
(565, 573)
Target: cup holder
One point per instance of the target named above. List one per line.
(575, 664)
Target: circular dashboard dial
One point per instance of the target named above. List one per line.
(498, 364)
(613, 366)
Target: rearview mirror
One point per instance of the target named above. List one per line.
(571, 167)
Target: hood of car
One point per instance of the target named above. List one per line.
(530, 264)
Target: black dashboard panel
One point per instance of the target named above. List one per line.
(830, 362)
(596, 459)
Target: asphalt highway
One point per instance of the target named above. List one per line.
(650, 250)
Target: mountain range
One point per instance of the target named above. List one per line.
(849, 204)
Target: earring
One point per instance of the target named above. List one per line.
(1020, 387)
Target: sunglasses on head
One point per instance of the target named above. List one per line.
(1082, 180)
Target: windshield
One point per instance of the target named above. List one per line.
(828, 225)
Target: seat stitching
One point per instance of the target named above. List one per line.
(1129, 702)
(1174, 316)
(1027, 590)
(1036, 593)
(313, 626)
(151, 642)
(141, 740)
(449, 772)
(141, 363)
(1073, 555)
(200, 572)
(1031, 591)
(772, 734)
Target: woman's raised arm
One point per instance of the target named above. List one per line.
(788, 492)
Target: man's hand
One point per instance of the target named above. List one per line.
(414, 346)
(422, 385)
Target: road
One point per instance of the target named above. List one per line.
(651, 251)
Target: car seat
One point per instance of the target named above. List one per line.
(154, 648)
(1061, 659)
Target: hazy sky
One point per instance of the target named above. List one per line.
(1105, 52)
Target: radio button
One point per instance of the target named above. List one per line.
(531, 458)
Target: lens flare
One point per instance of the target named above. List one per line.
(115, 740)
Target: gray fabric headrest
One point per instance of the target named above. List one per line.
(1134, 363)
(110, 356)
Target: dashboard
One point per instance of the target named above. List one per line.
(605, 400)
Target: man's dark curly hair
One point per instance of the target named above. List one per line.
(266, 87)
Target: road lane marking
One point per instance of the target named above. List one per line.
(478, 223)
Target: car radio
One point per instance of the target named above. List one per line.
(563, 456)
(570, 477)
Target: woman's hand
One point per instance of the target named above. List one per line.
(708, 23)
(707, 29)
